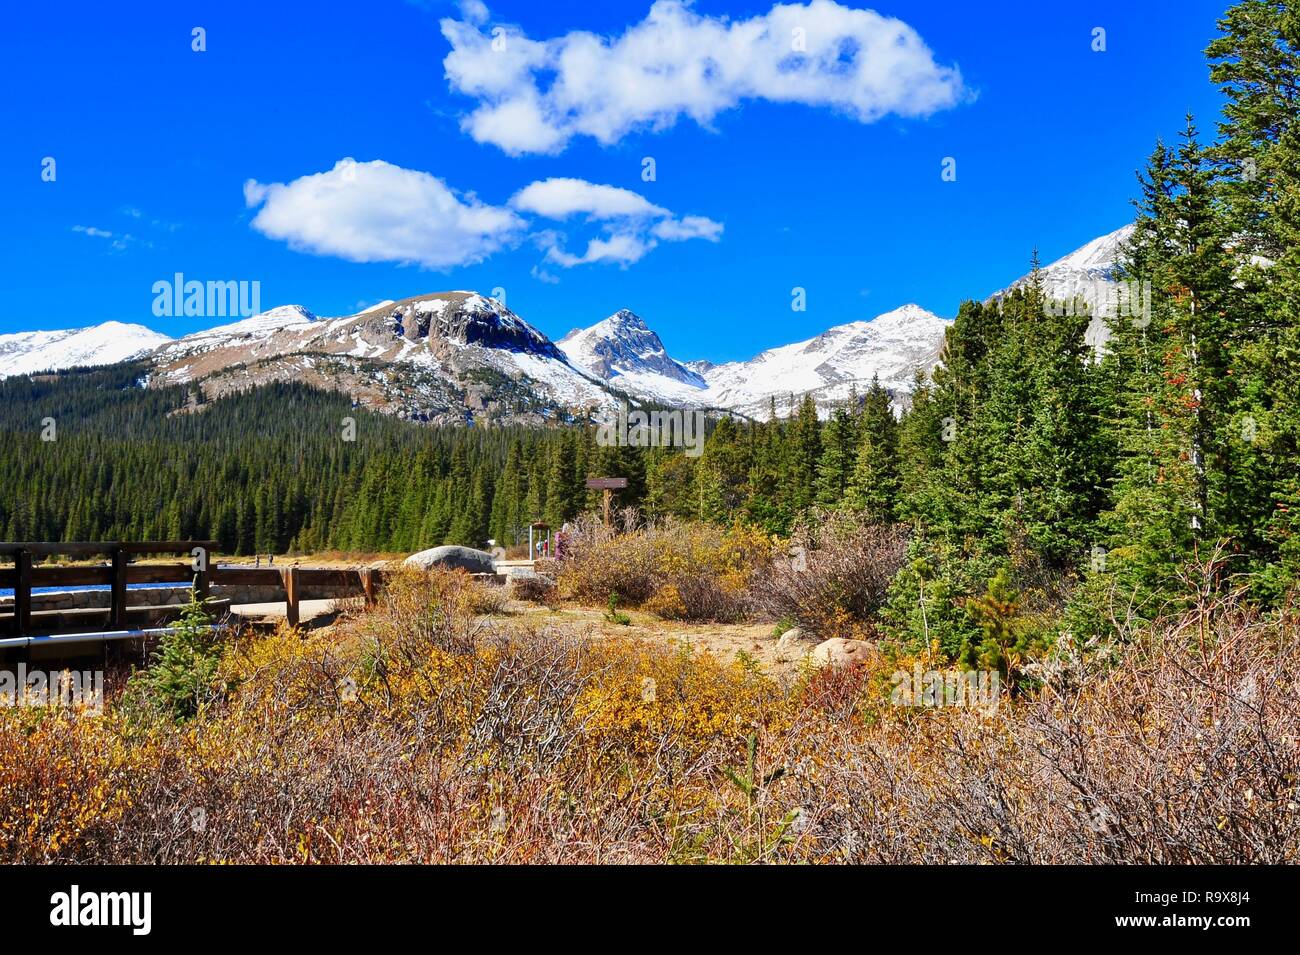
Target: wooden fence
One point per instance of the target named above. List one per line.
(340, 581)
(121, 569)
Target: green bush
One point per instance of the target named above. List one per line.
(182, 674)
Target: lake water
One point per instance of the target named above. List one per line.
(9, 591)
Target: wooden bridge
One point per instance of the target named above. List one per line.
(121, 567)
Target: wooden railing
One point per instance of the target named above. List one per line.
(119, 571)
(340, 581)
(116, 573)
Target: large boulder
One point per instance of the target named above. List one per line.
(453, 555)
(839, 652)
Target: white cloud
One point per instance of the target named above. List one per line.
(378, 212)
(621, 248)
(534, 96)
(688, 227)
(559, 198)
(475, 11)
(118, 242)
(633, 222)
(517, 126)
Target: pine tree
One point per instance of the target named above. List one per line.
(835, 468)
(725, 465)
(765, 504)
(1065, 456)
(805, 448)
(1169, 360)
(1256, 62)
(563, 495)
(875, 482)
(920, 453)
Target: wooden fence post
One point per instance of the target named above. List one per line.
(201, 584)
(22, 593)
(368, 585)
(290, 578)
(117, 613)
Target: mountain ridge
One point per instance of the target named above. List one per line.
(457, 356)
(105, 344)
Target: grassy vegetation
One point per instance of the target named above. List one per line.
(426, 731)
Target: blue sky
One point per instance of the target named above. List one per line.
(170, 160)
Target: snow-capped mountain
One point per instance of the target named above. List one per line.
(259, 326)
(892, 347)
(449, 356)
(1086, 275)
(28, 352)
(623, 351)
(439, 357)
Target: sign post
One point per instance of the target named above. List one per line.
(607, 486)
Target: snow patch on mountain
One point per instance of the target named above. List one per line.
(25, 353)
(623, 351)
(436, 357)
(833, 365)
(264, 323)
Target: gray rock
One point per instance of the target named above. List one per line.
(453, 555)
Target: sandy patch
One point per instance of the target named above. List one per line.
(723, 640)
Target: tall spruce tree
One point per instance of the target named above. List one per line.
(1256, 63)
(804, 453)
(1172, 359)
(875, 481)
(838, 453)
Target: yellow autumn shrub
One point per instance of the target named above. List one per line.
(66, 777)
(643, 697)
(666, 603)
(418, 733)
(677, 571)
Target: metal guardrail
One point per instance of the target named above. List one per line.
(71, 639)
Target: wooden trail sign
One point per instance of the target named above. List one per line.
(607, 486)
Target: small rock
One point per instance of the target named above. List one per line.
(838, 651)
(791, 644)
(532, 587)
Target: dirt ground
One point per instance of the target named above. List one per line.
(723, 640)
